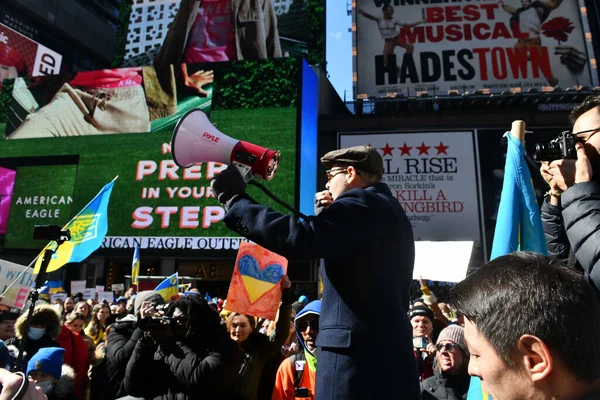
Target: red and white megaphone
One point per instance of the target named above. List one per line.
(196, 140)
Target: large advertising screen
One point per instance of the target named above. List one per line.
(21, 56)
(404, 46)
(195, 31)
(153, 200)
(124, 100)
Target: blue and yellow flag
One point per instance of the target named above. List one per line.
(169, 287)
(518, 225)
(54, 286)
(88, 229)
(135, 264)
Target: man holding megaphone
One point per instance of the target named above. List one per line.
(366, 241)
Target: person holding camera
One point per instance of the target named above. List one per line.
(570, 211)
(421, 319)
(122, 340)
(185, 353)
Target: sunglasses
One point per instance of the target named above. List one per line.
(450, 347)
(302, 325)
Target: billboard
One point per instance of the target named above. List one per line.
(434, 176)
(21, 56)
(153, 201)
(124, 100)
(406, 46)
(191, 31)
(42, 195)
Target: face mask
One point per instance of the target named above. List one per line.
(45, 386)
(36, 333)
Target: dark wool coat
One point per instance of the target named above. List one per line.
(366, 240)
(575, 227)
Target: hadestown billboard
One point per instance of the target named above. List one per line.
(405, 46)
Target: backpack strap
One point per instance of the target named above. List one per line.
(299, 362)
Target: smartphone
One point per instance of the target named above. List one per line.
(420, 342)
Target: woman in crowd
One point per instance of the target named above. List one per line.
(84, 308)
(257, 348)
(75, 355)
(96, 328)
(187, 356)
(451, 377)
(44, 328)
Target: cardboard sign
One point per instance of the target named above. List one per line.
(89, 293)
(77, 287)
(108, 296)
(58, 296)
(254, 288)
(17, 294)
(99, 288)
(118, 286)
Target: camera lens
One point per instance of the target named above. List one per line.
(547, 151)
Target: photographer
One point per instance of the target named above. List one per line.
(122, 340)
(184, 353)
(421, 319)
(570, 212)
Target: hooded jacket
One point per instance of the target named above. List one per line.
(119, 348)
(43, 314)
(286, 374)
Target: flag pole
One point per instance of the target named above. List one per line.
(518, 130)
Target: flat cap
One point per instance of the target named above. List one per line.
(364, 158)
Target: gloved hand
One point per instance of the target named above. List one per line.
(228, 186)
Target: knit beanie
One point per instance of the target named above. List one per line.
(48, 360)
(147, 295)
(422, 311)
(454, 334)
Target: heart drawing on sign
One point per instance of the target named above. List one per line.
(258, 281)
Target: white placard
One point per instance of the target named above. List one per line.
(77, 287)
(433, 177)
(90, 293)
(118, 286)
(17, 294)
(58, 296)
(108, 296)
(442, 261)
(99, 288)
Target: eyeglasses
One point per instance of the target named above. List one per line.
(450, 347)
(581, 133)
(302, 325)
(335, 171)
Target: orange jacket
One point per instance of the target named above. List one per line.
(284, 381)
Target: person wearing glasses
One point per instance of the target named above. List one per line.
(296, 376)
(570, 212)
(366, 241)
(451, 376)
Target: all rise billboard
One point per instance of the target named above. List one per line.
(405, 46)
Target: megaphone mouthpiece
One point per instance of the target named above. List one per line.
(196, 140)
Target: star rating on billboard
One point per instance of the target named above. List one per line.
(406, 149)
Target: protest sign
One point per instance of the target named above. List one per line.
(77, 287)
(16, 296)
(254, 288)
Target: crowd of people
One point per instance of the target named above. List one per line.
(510, 323)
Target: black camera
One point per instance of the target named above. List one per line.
(151, 323)
(420, 342)
(563, 147)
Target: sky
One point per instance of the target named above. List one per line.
(338, 46)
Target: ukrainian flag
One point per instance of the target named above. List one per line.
(88, 229)
(518, 225)
(168, 287)
(135, 264)
(55, 286)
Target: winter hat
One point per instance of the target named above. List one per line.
(422, 311)
(303, 300)
(8, 316)
(297, 307)
(147, 295)
(121, 299)
(454, 334)
(48, 360)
